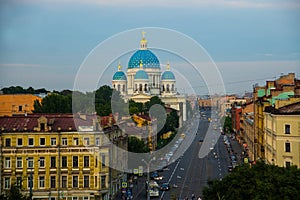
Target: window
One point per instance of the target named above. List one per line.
(30, 162)
(75, 161)
(30, 142)
(96, 181)
(86, 141)
(103, 160)
(42, 162)
(86, 181)
(64, 141)
(19, 181)
(75, 141)
(6, 182)
(64, 181)
(53, 161)
(19, 141)
(20, 109)
(29, 182)
(7, 142)
(75, 181)
(74, 198)
(86, 161)
(52, 181)
(287, 164)
(96, 161)
(53, 141)
(42, 126)
(19, 163)
(287, 129)
(85, 198)
(7, 162)
(103, 180)
(64, 161)
(287, 147)
(97, 141)
(42, 141)
(41, 181)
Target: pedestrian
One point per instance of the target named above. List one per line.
(199, 198)
(193, 197)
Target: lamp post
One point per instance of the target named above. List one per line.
(31, 181)
(148, 175)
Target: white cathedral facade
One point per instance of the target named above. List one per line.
(144, 79)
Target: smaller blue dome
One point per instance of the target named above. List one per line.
(119, 75)
(168, 75)
(141, 74)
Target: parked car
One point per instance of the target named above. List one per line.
(230, 168)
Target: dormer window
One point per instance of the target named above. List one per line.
(42, 126)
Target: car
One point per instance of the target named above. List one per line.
(200, 140)
(165, 186)
(230, 168)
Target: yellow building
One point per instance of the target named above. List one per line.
(11, 104)
(63, 156)
(267, 95)
(282, 135)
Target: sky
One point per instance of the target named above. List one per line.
(43, 43)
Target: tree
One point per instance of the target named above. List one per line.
(14, 194)
(227, 128)
(136, 145)
(259, 181)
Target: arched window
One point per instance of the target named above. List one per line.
(135, 87)
(145, 88)
(173, 87)
(114, 86)
(123, 88)
(141, 87)
(163, 88)
(168, 88)
(119, 87)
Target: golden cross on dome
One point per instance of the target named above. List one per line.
(143, 34)
(119, 66)
(168, 65)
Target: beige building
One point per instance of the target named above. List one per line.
(282, 135)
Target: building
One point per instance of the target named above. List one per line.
(267, 95)
(16, 104)
(61, 156)
(144, 79)
(282, 135)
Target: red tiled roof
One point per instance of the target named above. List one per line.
(57, 122)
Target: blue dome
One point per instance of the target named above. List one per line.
(141, 74)
(119, 75)
(148, 59)
(168, 75)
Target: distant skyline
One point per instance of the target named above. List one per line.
(43, 43)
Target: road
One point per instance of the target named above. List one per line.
(190, 173)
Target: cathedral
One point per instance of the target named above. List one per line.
(144, 79)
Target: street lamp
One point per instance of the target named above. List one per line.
(31, 181)
(148, 175)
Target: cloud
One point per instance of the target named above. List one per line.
(179, 3)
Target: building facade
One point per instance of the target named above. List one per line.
(263, 96)
(282, 135)
(17, 104)
(59, 156)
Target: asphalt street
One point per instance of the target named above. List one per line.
(190, 173)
